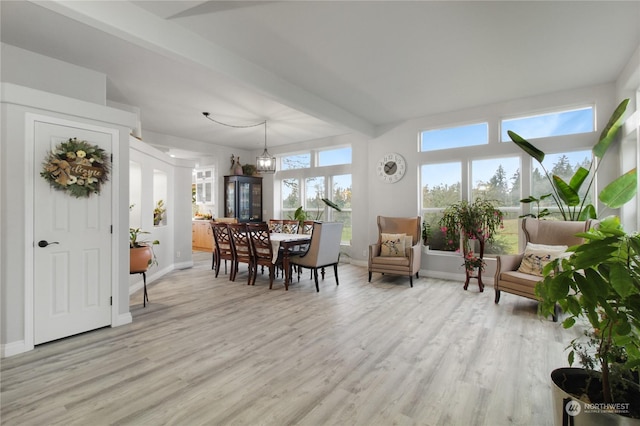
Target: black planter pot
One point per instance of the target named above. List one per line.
(571, 387)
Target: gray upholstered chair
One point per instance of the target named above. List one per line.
(324, 250)
(405, 263)
(511, 278)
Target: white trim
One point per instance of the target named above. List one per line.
(30, 122)
(13, 348)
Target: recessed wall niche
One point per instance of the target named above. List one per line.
(135, 195)
(159, 198)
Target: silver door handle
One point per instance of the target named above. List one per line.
(44, 243)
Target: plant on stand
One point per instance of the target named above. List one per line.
(598, 286)
(158, 212)
(478, 221)
(141, 252)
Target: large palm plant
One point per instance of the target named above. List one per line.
(570, 203)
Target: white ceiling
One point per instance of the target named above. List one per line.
(314, 69)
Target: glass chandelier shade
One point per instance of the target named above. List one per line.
(265, 163)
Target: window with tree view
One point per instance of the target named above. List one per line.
(441, 186)
(498, 180)
(314, 176)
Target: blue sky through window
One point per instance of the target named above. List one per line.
(553, 124)
(455, 137)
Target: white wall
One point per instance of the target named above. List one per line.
(30, 69)
(174, 250)
(17, 102)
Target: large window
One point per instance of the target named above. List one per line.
(441, 186)
(567, 122)
(310, 177)
(498, 179)
(454, 137)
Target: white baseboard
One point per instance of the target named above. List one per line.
(122, 319)
(14, 348)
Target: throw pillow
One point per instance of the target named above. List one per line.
(392, 245)
(408, 243)
(537, 256)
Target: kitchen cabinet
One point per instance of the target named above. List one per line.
(204, 186)
(243, 198)
(201, 236)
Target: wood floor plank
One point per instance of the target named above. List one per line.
(214, 352)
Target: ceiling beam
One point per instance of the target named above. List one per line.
(129, 22)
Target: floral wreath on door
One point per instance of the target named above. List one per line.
(76, 167)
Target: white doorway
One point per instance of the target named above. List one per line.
(72, 243)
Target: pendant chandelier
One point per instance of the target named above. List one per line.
(265, 163)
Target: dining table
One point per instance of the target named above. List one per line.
(286, 242)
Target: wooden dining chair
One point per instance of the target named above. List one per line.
(290, 226)
(222, 242)
(307, 227)
(275, 225)
(263, 255)
(241, 248)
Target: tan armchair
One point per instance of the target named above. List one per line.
(405, 263)
(548, 232)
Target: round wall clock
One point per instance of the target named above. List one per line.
(391, 168)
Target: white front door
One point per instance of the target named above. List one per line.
(72, 246)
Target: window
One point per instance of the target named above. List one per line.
(553, 124)
(292, 162)
(310, 177)
(332, 157)
(498, 179)
(454, 137)
(441, 186)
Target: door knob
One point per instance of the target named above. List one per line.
(44, 243)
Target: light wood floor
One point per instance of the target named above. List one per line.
(210, 351)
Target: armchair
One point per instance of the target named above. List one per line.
(386, 257)
(515, 277)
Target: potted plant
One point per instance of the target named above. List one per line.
(426, 232)
(158, 212)
(301, 215)
(141, 254)
(477, 221)
(598, 286)
(566, 195)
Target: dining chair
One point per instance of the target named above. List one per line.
(307, 227)
(275, 225)
(262, 248)
(241, 248)
(222, 242)
(290, 226)
(324, 250)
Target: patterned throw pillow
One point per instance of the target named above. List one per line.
(392, 245)
(536, 257)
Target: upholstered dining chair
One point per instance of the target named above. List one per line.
(263, 254)
(545, 240)
(397, 250)
(222, 242)
(241, 248)
(324, 250)
(307, 227)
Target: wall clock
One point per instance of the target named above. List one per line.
(391, 168)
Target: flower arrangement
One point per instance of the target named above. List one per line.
(472, 262)
(77, 167)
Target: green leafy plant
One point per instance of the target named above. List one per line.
(426, 232)
(301, 215)
(158, 212)
(135, 242)
(598, 286)
(570, 203)
(478, 221)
